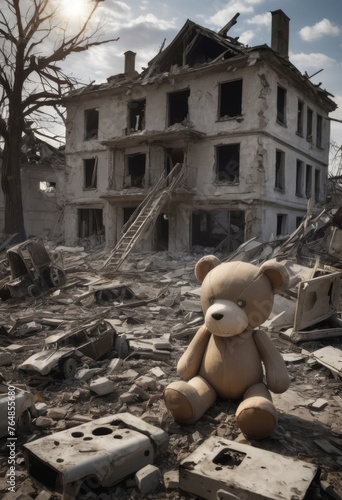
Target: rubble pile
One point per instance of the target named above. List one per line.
(141, 320)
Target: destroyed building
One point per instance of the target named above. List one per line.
(42, 181)
(249, 130)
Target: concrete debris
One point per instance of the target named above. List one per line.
(153, 315)
(148, 479)
(240, 471)
(100, 453)
(331, 357)
(102, 386)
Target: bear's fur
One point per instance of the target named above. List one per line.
(225, 357)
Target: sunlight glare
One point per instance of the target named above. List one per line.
(74, 8)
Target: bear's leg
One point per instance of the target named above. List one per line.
(257, 416)
(188, 401)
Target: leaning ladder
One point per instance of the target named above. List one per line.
(142, 219)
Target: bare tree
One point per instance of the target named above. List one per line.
(34, 37)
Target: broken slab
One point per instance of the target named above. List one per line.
(318, 299)
(331, 358)
(102, 386)
(242, 471)
(102, 452)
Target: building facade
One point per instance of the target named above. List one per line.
(251, 131)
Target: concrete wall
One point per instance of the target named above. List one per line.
(257, 131)
(43, 208)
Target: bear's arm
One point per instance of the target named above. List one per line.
(277, 377)
(191, 360)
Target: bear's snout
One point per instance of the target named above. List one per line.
(225, 319)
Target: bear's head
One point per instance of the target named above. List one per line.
(237, 295)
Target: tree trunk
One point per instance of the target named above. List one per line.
(11, 185)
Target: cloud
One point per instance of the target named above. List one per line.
(261, 19)
(224, 15)
(318, 30)
(246, 37)
(313, 60)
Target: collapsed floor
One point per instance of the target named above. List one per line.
(158, 322)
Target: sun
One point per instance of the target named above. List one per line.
(74, 8)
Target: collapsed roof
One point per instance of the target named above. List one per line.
(196, 48)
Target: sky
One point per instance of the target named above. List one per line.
(142, 26)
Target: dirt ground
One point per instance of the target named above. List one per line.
(306, 431)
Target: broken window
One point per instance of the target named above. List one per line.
(90, 173)
(135, 170)
(91, 120)
(228, 163)
(280, 170)
(319, 126)
(309, 119)
(178, 106)
(299, 178)
(136, 117)
(222, 229)
(47, 186)
(230, 99)
(281, 105)
(308, 181)
(90, 222)
(317, 185)
(300, 117)
(281, 224)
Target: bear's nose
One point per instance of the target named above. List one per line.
(217, 316)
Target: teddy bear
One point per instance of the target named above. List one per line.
(229, 357)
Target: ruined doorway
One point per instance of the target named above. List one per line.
(90, 223)
(162, 233)
(221, 229)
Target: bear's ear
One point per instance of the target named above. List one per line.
(204, 265)
(277, 274)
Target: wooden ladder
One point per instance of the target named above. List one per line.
(142, 219)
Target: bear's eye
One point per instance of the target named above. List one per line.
(211, 300)
(241, 303)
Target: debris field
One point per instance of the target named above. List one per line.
(151, 309)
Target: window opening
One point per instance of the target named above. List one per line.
(299, 178)
(230, 99)
(319, 131)
(308, 181)
(317, 185)
(299, 220)
(136, 165)
(281, 224)
(309, 125)
(300, 117)
(136, 115)
(228, 163)
(280, 170)
(91, 123)
(90, 173)
(47, 186)
(178, 106)
(281, 105)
